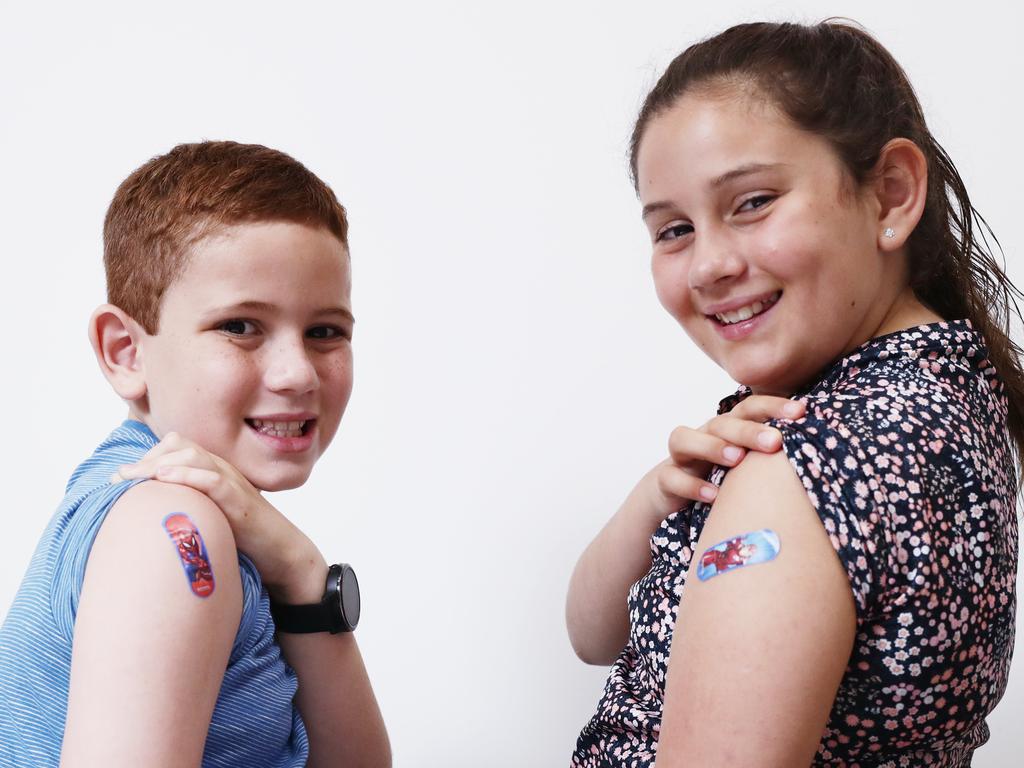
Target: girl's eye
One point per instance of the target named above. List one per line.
(755, 202)
(673, 232)
(238, 327)
(327, 333)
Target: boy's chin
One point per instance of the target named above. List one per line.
(272, 482)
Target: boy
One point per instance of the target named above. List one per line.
(228, 334)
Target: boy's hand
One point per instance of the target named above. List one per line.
(292, 568)
(723, 440)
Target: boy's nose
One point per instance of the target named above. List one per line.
(290, 369)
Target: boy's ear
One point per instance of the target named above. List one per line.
(901, 183)
(116, 341)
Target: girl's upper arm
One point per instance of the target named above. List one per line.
(160, 606)
(762, 641)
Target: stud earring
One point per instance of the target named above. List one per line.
(889, 232)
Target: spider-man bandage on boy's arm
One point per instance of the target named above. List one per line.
(766, 615)
(192, 552)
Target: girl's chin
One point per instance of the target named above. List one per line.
(773, 379)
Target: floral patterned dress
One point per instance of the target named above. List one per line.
(905, 455)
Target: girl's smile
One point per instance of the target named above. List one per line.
(764, 249)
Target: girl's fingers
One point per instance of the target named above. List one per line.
(675, 482)
(743, 433)
(686, 446)
(765, 407)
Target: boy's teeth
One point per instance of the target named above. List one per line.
(278, 428)
(747, 312)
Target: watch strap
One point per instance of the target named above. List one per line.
(329, 615)
(302, 619)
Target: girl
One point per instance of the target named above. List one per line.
(851, 599)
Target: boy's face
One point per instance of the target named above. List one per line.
(253, 357)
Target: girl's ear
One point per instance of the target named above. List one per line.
(901, 184)
(117, 342)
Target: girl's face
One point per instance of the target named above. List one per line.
(764, 249)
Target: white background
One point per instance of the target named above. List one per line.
(515, 374)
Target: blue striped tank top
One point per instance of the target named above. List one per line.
(254, 724)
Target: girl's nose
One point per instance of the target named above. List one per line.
(714, 259)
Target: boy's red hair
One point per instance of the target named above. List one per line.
(170, 203)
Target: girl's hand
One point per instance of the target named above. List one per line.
(288, 561)
(723, 440)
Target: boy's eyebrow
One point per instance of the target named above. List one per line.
(339, 312)
(738, 172)
(262, 306)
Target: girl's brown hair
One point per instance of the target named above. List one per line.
(835, 80)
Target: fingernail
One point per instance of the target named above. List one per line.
(732, 453)
(768, 438)
(708, 492)
(793, 409)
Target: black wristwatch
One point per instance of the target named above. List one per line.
(338, 611)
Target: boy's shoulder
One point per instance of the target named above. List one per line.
(158, 516)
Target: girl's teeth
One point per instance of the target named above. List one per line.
(745, 313)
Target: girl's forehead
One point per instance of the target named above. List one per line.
(697, 124)
(704, 138)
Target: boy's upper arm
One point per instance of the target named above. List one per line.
(759, 650)
(160, 606)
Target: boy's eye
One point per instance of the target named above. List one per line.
(327, 333)
(755, 202)
(238, 327)
(673, 232)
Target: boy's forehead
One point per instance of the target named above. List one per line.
(281, 258)
(243, 236)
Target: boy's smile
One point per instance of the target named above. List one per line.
(253, 356)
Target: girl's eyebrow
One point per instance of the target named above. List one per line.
(740, 171)
(654, 208)
(744, 170)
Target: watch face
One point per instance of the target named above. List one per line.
(350, 597)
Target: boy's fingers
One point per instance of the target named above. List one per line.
(148, 465)
(171, 443)
(205, 480)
